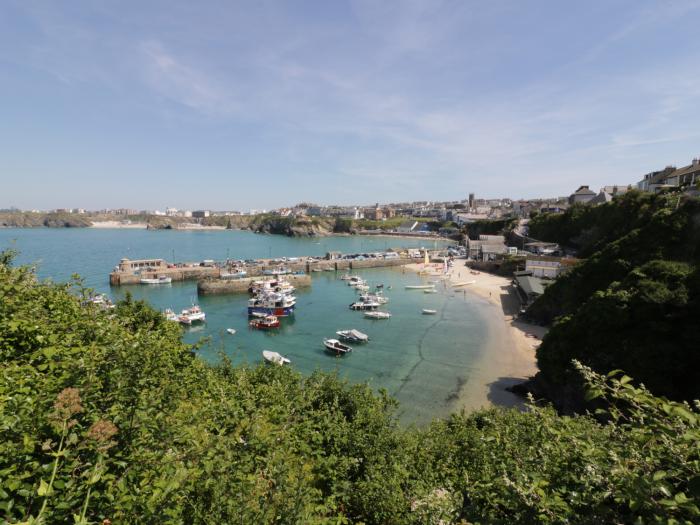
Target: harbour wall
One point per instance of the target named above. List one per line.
(198, 273)
(226, 286)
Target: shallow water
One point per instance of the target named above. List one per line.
(425, 361)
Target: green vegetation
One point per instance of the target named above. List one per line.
(490, 227)
(591, 228)
(109, 416)
(18, 219)
(633, 304)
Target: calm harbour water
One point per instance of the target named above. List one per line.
(423, 360)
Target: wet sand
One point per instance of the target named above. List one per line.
(510, 356)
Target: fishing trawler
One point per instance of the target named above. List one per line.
(272, 303)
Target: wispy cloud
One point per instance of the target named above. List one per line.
(183, 83)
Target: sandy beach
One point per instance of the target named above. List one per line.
(119, 224)
(143, 226)
(510, 357)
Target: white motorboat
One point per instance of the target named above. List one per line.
(432, 290)
(362, 287)
(231, 331)
(354, 336)
(364, 305)
(463, 283)
(101, 300)
(420, 287)
(346, 277)
(170, 315)
(428, 311)
(357, 281)
(161, 279)
(333, 345)
(378, 315)
(275, 358)
(192, 315)
(376, 297)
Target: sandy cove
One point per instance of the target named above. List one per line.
(143, 226)
(510, 357)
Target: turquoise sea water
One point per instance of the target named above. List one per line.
(423, 360)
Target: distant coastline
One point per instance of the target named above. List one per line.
(262, 223)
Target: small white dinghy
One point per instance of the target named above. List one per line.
(275, 358)
(428, 311)
(231, 331)
(420, 287)
(463, 283)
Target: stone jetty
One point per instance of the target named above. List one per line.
(132, 271)
(227, 286)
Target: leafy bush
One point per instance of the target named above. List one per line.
(109, 416)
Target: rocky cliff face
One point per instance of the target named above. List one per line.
(37, 220)
(292, 227)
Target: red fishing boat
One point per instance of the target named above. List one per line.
(265, 323)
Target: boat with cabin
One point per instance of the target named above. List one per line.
(364, 305)
(272, 303)
(376, 297)
(170, 315)
(354, 336)
(191, 315)
(335, 346)
(265, 323)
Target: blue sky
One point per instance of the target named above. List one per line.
(238, 105)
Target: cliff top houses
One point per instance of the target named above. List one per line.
(671, 177)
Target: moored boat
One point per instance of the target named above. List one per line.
(378, 315)
(333, 345)
(161, 279)
(231, 331)
(264, 323)
(278, 304)
(375, 297)
(364, 305)
(170, 315)
(420, 287)
(192, 315)
(428, 311)
(275, 358)
(354, 336)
